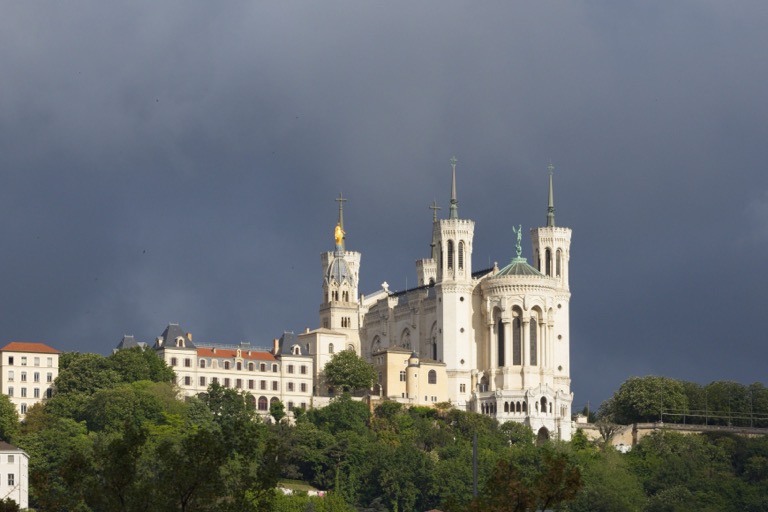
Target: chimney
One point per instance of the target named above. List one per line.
(306, 329)
(276, 346)
(189, 336)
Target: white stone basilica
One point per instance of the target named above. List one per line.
(494, 341)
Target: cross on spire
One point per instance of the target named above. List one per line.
(551, 204)
(434, 209)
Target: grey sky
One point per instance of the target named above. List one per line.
(178, 161)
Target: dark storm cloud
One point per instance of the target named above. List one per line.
(177, 162)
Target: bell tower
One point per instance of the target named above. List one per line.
(340, 309)
(452, 239)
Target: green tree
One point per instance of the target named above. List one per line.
(646, 399)
(533, 478)
(349, 371)
(277, 410)
(135, 364)
(9, 419)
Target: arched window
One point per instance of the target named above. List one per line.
(239, 366)
(251, 401)
(500, 343)
(202, 363)
(434, 350)
(432, 377)
(263, 367)
(506, 406)
(558, 258)
(450, 254)
(548, 261)
(538, 261)
(461, 255)
(330, 348)
(517, 407)
(250, 367)
(274, 368)
(517, 357)
(525, 406)
(274, 400)
(226, 365)
(544, 405)
(263, 403)
(533, 341)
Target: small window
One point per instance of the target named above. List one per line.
(330, 348)
(187, 363)
(174, 361)
(290, 406)
(23, 408)
(37, 361)
(238, 383)
(11, 478)
(262, 384)
(274, 368)
(23, 376)
(226, 365)
(48, 393)
(290, 368)
(462, 388)
(10, 391)
(303, 387)
(250, 383)
(23, 360)
(274, 385)
(36, 393)
(251, 366)
(187, 380)
(262, 367)
(23, 392)
(36, 376)
(303, 369)
(10, 360)
(10, 375)
(263, 403)
(432, 377)
(10, 459)
(49, 377)
(202, 363)
(202, 381)
(214, 380)
(402, 376)
(304, 405)
(49, 361)
(239, 366)
(290, 386)
(226, 382)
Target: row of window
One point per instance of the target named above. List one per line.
(226, 382)
(35, 376)
(35, 360)
(450, 255)
(35, 392)
(263, 404)
(227, 365)
(517, 342)
(431, 377)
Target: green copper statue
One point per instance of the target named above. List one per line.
(519, 233)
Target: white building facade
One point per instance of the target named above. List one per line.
(14, 474)
(283, 374)
(27, 373)
(501, 334)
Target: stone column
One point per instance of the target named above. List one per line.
(525, 340)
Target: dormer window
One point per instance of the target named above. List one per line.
(296, 350)
(226, 365)
(180, 341)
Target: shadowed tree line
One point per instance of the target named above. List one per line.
(120, 440)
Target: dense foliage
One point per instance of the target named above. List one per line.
(348, 371)
(651, 398)
(120, 440)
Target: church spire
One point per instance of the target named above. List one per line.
(454, 211)
(551, 205)
(339, 232)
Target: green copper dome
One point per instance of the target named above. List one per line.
(519, 267)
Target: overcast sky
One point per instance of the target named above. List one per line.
(178, 162)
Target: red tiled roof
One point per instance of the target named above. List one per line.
(225, 353)
(22, 346)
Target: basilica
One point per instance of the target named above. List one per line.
(494, 341)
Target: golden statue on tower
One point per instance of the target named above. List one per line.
(338, 233)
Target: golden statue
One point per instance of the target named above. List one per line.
(338, 233)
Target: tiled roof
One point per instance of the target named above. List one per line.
(21, 346)
(260, 355)
(7, 447)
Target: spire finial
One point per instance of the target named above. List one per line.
(434, 209)
(339, 232)
(551, 204)
(454, 202)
